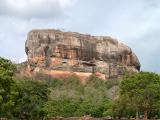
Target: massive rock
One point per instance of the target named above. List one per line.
(54, 51)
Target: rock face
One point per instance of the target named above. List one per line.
(54, 50)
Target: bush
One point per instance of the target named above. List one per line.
(32, 95)
(28, 98)
(7, 88)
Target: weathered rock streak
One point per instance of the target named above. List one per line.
(75, 52)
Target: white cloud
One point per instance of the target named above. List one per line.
(23, 59)
(34, 8)
(65, 3)
(135, 22)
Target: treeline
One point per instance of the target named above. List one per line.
(28, 98)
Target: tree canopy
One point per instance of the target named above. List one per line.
(7, 92)
(141, 90)
(30, 98)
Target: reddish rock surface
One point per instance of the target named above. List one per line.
(68, 52)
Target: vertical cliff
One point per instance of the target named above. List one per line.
(60, 53)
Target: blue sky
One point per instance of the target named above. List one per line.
(134, 22)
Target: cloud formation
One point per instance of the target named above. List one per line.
(134, 22)
(34, 8)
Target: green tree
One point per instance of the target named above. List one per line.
(61, 107)
(142, 91)
(7, 88)
(31, 98)
(122, 107)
